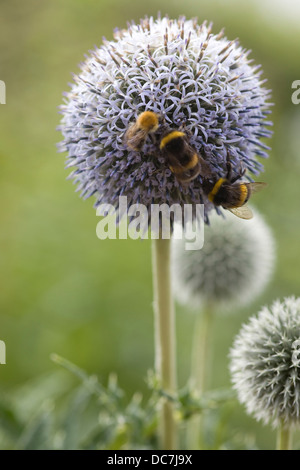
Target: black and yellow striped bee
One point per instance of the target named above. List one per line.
(182, 159)
(136, 135)
(230, 195)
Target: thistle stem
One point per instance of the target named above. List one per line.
(165, 351)
(200, 369)
(284, 438)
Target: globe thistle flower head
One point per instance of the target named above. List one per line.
(233, 267)
(265, 364)
(194, 80)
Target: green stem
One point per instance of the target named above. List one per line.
(165, 350)
(200, 369)
(284, 438)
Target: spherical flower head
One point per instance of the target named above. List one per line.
(265, 364)
(195, 81)
(233, 267)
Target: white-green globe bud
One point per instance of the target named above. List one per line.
(233, 267)
(265, 364)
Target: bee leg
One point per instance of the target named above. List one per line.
(154, 139)
(229, 171)
(228, 166)
(239, 176)
(229, 176)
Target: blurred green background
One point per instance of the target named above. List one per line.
(62, 289)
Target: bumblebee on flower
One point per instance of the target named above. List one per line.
(196, 83)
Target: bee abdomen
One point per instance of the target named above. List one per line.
(244, 194)
(213, 194)
(193, 161)
(229, 195)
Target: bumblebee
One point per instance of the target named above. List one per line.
(182, 159)
(229, 194)
(137, 133)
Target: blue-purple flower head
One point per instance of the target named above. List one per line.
(196, 81)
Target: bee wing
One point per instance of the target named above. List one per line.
(255, 187)
(134, 138)
(243, 212)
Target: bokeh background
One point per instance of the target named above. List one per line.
(61, 289)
